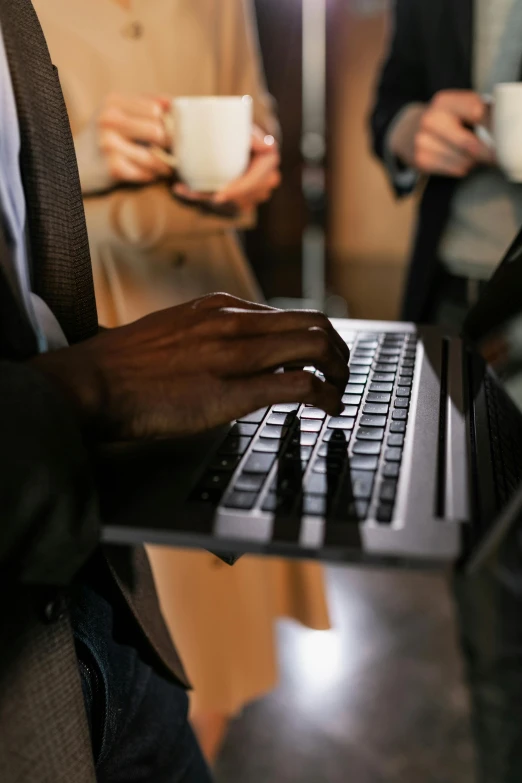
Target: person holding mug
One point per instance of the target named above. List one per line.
(434, 124)
(122, 65)
(434, 94)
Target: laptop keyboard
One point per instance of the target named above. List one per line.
(506, 437)
(294, 459)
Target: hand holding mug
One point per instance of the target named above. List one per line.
(128, 128)
(439, 139)
(253, 187)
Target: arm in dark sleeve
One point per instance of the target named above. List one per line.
(402, 80)
(48, 506)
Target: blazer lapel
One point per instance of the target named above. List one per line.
(462, 13)
(59, 247)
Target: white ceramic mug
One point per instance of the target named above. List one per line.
(506, 134)
(212, 139)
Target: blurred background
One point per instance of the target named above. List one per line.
(339, 188)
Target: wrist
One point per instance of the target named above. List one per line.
(72, 373)
(402, 133)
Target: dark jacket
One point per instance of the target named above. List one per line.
(431, 50)
(49, 520)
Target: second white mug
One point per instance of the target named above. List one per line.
(505, 136)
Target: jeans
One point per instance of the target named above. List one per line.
(138, 718)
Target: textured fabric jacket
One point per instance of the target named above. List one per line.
(48, 508)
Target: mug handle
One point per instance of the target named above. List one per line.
(483, 133)
(166, 157)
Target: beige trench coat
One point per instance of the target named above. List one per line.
(150, 252)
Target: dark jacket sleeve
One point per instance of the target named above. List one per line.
(402, 80)
(48, 506)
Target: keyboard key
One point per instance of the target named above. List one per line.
(392, 351)
(341, 423)
(398, 426)
(354, 388)
(408, 363)
(310, 425)
(225, 462)
(240, 500)
(365, 345)
(406, 372)
(399, 414)
(289, 407)
(391, 470)
(336, 438)
(403, 381)
(385, 513)
(367, 361)
(287, 485)
(332, 449)
(352, 399)
(395, 439)
(370, 433)
(330, 465)
(402, 402)
(278, 503)
(321, 484)
(291, 457)
(235, 445)
(364, 463)
(313, 413)
(350, 411)
(272, 431)
(213, 480)
(385, 388)
(367, 447)
(362, 484)
(378, 398)
(388, 491)
(387, 361)
(373, 421)
(359, 370)
(259, 463)
(387, 368)
(314, 505)
(249, 482)
(308, 438)
(356, 379)
(383, 377)
(202, 495)
(393, 455)
(358, 510)
(245, 429)
(280, 419)
(374, 408)
(256, 417)
(267, 445)
(403, 391)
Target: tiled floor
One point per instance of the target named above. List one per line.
(378, 700)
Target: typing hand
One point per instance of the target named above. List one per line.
(191, 368)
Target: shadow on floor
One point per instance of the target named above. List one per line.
(378, 700)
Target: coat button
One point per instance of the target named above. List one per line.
(179, 260)
(55, 609)
(133, 30)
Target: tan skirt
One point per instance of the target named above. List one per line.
(223, 620)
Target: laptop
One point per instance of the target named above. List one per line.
(424, 467)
